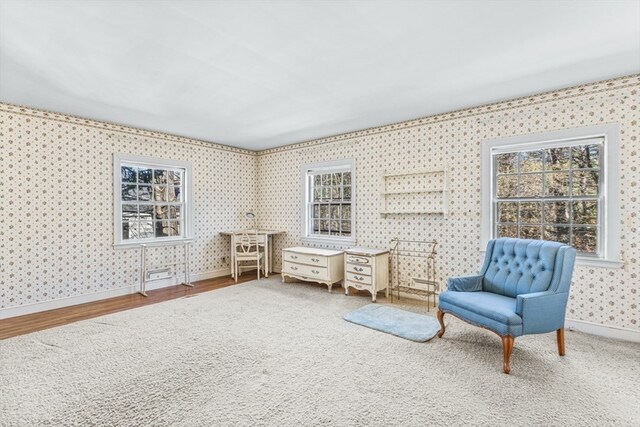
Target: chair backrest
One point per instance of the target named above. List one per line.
(519, 266)
(247, 242)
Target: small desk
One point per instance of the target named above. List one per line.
(268, 238)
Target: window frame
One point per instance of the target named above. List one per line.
(122, 159)
(609, 204)
(307, 172)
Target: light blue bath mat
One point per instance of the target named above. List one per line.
(404, 324)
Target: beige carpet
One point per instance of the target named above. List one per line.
(268, 353)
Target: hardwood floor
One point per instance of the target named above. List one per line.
(21, 325)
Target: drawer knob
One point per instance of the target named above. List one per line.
(359, 278)
(315, 259)
(315, 271)
(294, 267)
(358, 269)
(294, 257)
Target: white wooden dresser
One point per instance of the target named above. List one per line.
(312, 264)
(366, 269)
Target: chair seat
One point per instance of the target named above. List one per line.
(492, 311)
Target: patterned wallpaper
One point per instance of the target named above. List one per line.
(452, 140)
(56, 203)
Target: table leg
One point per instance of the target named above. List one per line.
(232, 260)
(266, 255)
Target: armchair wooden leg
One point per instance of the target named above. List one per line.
(560, 336)
(507, 347)
(440, 316)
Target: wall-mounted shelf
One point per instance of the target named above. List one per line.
(416, 192)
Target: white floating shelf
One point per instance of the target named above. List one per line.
(412, 184)
(412, 212)
(413, 191)
(425, 172)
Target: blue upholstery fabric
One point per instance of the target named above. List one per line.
(492, 311)
(525, 287)
(465, 283)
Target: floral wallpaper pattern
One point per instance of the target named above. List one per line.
(56, 203)
(56, 198)
(452, 141)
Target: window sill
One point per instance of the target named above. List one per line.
(138, 244)
(598, 263)
(329, 240)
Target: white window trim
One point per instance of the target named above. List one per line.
(306, 226)
(610, 191)
(120, 158)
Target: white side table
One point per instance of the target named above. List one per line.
(366, 269)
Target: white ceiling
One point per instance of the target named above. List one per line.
(259, 74)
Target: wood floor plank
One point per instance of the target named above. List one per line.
(26, 324)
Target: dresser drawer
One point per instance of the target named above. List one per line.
(318, 260)
(310, 271)
(359, 269)
(358, 286)
(359, 259)
(358, 278)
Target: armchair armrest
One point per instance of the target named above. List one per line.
(541, 311)
(465, 283)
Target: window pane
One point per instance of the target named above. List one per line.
(507, 230)
(556, 212)
(324, 211)
(585, 239)
(161, 229)
(346, 193)
(585, 156)
(317, 194)
(531, 212)
(507, 211)
(557, 158)
(324, 227)
(326, 193)
(506, 162)
(173, 194)
(145, 175)
(129, 174)
(146, 229)
(144, 193)
(130, 229)
(507, 186)
(337, 179)
(160, 193)
(346, 228)
(129, 192)
(346, 211)
(129, 211)
(346, 178)
(585, 212)
(159, 176)
(530, 185)
(316, 226)
(335, 211)
(161, 212)
(326, 179)
(146, 212)
(530, 161)
(530, 232)
(585, 183)
(335, 228)
(317, 180)
(335, 193)
(557, 234)
(174, 228)
(315, 212)
(557, 184)
(174, 177)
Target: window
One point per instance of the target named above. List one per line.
(559, 186)
(152, 200)
(329, 202)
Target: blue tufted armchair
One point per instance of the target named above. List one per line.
(522, 288)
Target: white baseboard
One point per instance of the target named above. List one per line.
(22, 310)
(606, 331)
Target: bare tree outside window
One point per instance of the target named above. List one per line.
(550, 194)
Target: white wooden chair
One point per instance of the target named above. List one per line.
(249, 249)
